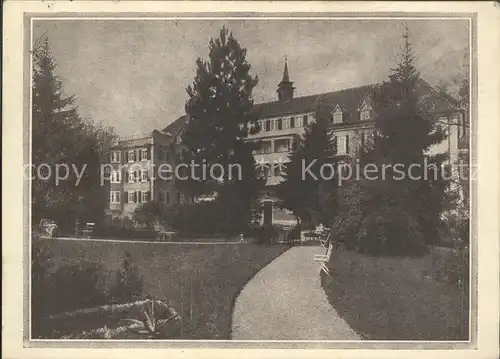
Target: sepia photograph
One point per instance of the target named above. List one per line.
(250, 180)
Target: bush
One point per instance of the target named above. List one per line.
(79, 285)
(123, 231)
(128, 283)
(268, 234)
(211, 218)
(376, 225)
(294, 234)
(42, 288)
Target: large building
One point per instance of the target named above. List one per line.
(139, 172)
(282, 123)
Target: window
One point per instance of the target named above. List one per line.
(304, 120)
(364, 112)
(337, 117)
(181, 197)
(144, 175)
(292, 122)
(298, 122)
(341, 145)
(145, 196)
(364, 115)
(131, 156)
(144, 154)
(279, 124)
(114, 197)
(116, 156)
(282, 145)
(462, 126)
(266, 147)
(131, 197)
(167, 197)
(268, 126)
(116, 177)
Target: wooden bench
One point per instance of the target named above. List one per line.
(163, 234)
(88, 230)
(323, 259)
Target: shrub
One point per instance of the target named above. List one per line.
(123, 231)
(128, 283)
(294, 234)
(79, 285)
(268, 234)
(41, 280)
(147, 213)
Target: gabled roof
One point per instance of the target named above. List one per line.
(176, 126)
(349, 101)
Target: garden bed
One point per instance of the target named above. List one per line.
(116, 321)
(200, 281)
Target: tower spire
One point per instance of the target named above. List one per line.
(286, 78)
(285, 87)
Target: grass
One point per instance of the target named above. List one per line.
(395, 298)
(200, 281)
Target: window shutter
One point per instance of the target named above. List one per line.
(347, 143)
(335, 144)
(149, 153)
(125, 195)
(126, 156)
(148, 196)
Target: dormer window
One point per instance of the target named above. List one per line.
(337, 115)
(364, 112)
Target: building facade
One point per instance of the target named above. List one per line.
(282, 124)
(141, 171)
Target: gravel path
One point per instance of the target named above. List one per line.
(285, 301)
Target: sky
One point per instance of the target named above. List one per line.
(133, 74)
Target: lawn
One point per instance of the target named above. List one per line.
(395, 298)
(200, 281)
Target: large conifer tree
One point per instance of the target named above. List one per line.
(220, 117)
(61, 136)
(306, 193)
(405, 210)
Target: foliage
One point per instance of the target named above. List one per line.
(80, 284)
(212, 217)
(306, 196)
(153, 324)
(128, 283)
(62, 137)
(41, 280)
(147, 214)
(396, 214)
(268, 234)
(125, 230)
(220, 117)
